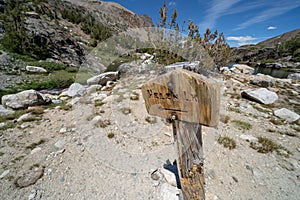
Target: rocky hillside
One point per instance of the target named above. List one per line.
(62, 30)
(279, 52)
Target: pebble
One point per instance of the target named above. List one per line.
(32, 195)
(60, 144)
(35, 150)
(5, 173)
(63, 130)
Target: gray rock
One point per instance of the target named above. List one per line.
(168, 192)
(5, 173)
(248, 138)
(25, 99)
(262, 80)
(60, 144)
(76, 89)
(35, 69)
(287, 115)
(24, 117)
(169, 176)
(93, 89)
(294, 76)
(192, 65)
(32, 195)
(5, 112)
(102, 79)
(30, 177)
(241, 68)
(261, 95)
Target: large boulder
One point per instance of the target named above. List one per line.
(25, 99)
(34, 69)
(294, 76)
(262, 80)
(241, 68)
(287, 115)
(261, 95)
(102, 79)
(76, 89)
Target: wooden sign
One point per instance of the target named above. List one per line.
(191, 97)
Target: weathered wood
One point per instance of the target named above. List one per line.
(190, 162)
(192, 97)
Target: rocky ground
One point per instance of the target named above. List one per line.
(104, 145)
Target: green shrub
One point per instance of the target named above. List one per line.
(227, 142)
(242, 125)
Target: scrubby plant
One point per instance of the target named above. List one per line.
(227, 142)
(242, 125)
(265, 145)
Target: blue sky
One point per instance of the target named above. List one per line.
(241, 21)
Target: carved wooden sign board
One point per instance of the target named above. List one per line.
(192, 97)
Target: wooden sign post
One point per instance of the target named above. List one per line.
(189, 100)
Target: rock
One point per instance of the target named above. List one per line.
(76, 89)
(261, 95)
(34, 69)
(102, 79)
(262, 80)
(169, 176)
(60, 144)
(35, 150)
(241, 68)
(249, 138)
(30, 177)
(32, 195)
(24, 117)
(25, 99)
(5, 173)
(287, 115)
(2, 124)
(188, 65)
(57, 101)
(93, 89)
(168, 192)
(99, 97)
(5, 112)
(294, 76)
(63, 130)
(259, 176)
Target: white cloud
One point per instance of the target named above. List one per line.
(218, 8)
(274, 9)
(242, 40)
(272, 27)
(172, 3)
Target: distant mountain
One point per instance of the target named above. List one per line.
(284, 48)
(280, 39)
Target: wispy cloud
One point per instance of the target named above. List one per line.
(272, 27)
(217, 8)
(242, 40)
(172, 3)
(275, 8)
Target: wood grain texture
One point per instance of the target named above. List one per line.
(192, 97)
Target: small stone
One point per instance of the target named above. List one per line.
(35, 150)
(298, 149)
(57, 101)
(63, 130)
(235, 179)
(168, 192)
(24, 117)
(287, 115)
(60, 144)
(76, 89)
(248, 138)
(169, 176)
(5, 173)
(32, 195)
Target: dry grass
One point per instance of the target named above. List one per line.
(242, 125)
(227, 142)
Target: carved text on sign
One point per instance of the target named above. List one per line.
(193, 97)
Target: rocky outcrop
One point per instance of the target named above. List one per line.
(5, 112)
(24, 99)
(262, 80)
(287, 115)
(241, 68)
(102, 79)
(261, 95)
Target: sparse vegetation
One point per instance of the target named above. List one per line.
(1, 153)
(231, 109)
(224, 118)
(151, 120)
(227, 142)
(35, 144)
(265, 145)
(7, 126)
(103, 123)
(242, 125)
(275, 121)
(98, 103)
